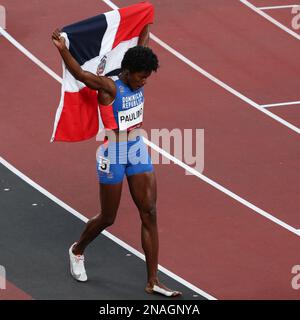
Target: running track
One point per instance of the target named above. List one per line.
(207, 238)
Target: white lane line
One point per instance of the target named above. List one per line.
(67, 207)
(271, 19)
(280, 104)
(70, 209)
(175, 160)
(106, 233)
(111, 4)
(214, 79)
(2, 17)
(223, 189)
(29, 55)
(279, 7)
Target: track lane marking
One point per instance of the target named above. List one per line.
(214, 79)
(105, 233)
(281, 104)
(201, 176)
(279, 7)
(271, 19)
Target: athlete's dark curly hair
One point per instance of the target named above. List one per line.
(138, 59)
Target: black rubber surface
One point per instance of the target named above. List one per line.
(34, 243)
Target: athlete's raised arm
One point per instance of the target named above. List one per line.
(144, 36)
(89, 79)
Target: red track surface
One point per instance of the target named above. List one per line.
(206, 237)
(284, 16)
(13, 293)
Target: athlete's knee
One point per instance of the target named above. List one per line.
(106, 219)
(148, 213)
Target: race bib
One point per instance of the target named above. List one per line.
(130, 117)
(103, 164)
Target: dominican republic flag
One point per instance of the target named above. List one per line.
(98, 44)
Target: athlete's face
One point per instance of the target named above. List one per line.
(136, 80)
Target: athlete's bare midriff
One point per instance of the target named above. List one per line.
(118, 136)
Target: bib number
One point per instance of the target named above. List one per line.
(104, 164)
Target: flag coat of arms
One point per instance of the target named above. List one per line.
(98, 44)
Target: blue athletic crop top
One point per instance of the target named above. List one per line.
(126, 111)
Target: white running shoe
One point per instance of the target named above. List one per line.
(77, 266)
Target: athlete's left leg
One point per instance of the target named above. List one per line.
(143, 191)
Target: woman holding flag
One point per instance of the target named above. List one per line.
(121, 102)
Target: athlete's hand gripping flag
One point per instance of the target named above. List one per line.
(98, 44)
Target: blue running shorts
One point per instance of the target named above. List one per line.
(115, 159)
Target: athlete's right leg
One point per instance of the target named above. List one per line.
(110, 195)
(110, 174)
